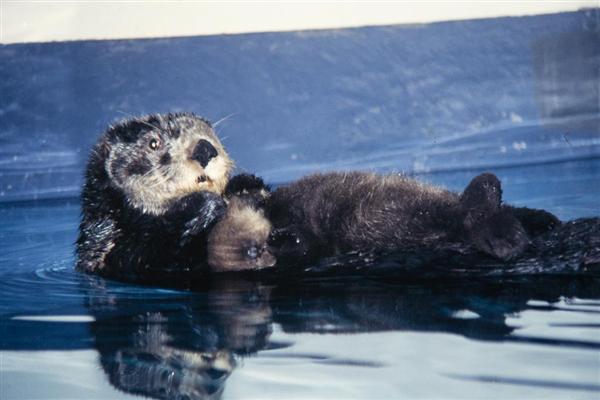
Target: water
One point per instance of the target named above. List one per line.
(76, 336)
(430, 100)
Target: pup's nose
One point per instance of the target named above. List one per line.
(204, 152)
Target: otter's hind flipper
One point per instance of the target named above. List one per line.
(491, 228)
(536, 222)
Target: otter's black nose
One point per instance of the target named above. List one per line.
(204, 152)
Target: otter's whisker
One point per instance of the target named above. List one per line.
(225, 118)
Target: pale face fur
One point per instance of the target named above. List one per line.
(154, 166)
(239, 241)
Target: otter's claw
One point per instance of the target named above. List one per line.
(244, 184)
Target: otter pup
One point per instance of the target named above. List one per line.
(152, 190)
(326, 214)
(239, 241)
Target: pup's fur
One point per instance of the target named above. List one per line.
(152, 190)
(325, 214)
(239, 241)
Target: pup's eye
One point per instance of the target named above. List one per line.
(154, 144)
(252, 252)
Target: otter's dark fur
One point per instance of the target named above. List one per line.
(152, 190)
(326, 214)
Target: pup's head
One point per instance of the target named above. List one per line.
(239, 241)
(156, 159)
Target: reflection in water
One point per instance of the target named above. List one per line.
(186, 347)
(179, 348)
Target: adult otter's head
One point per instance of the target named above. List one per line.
(239, 241)
(155, 159)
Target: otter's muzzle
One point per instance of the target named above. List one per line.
(204, 152)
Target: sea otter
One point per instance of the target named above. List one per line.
(239, 241)
(153, 188)
(327, 214)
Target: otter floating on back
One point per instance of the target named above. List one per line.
(327, 214)
(395, 225)
(155, 185)
(153, 189)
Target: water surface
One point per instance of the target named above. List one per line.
(77, 336)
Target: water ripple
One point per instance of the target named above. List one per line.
(59, 288)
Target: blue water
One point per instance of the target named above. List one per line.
(516, 96)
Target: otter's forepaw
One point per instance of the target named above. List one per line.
(210, 210)
(501, 236)
(245, 183)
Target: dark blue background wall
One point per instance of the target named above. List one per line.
(469, 95)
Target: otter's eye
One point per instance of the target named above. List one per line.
(252, 252)
(154, 144)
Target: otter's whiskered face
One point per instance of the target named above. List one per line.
(239, 241)
(157, 159)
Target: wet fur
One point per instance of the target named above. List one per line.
(143, 210)
(327, 214)
(239, 241)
